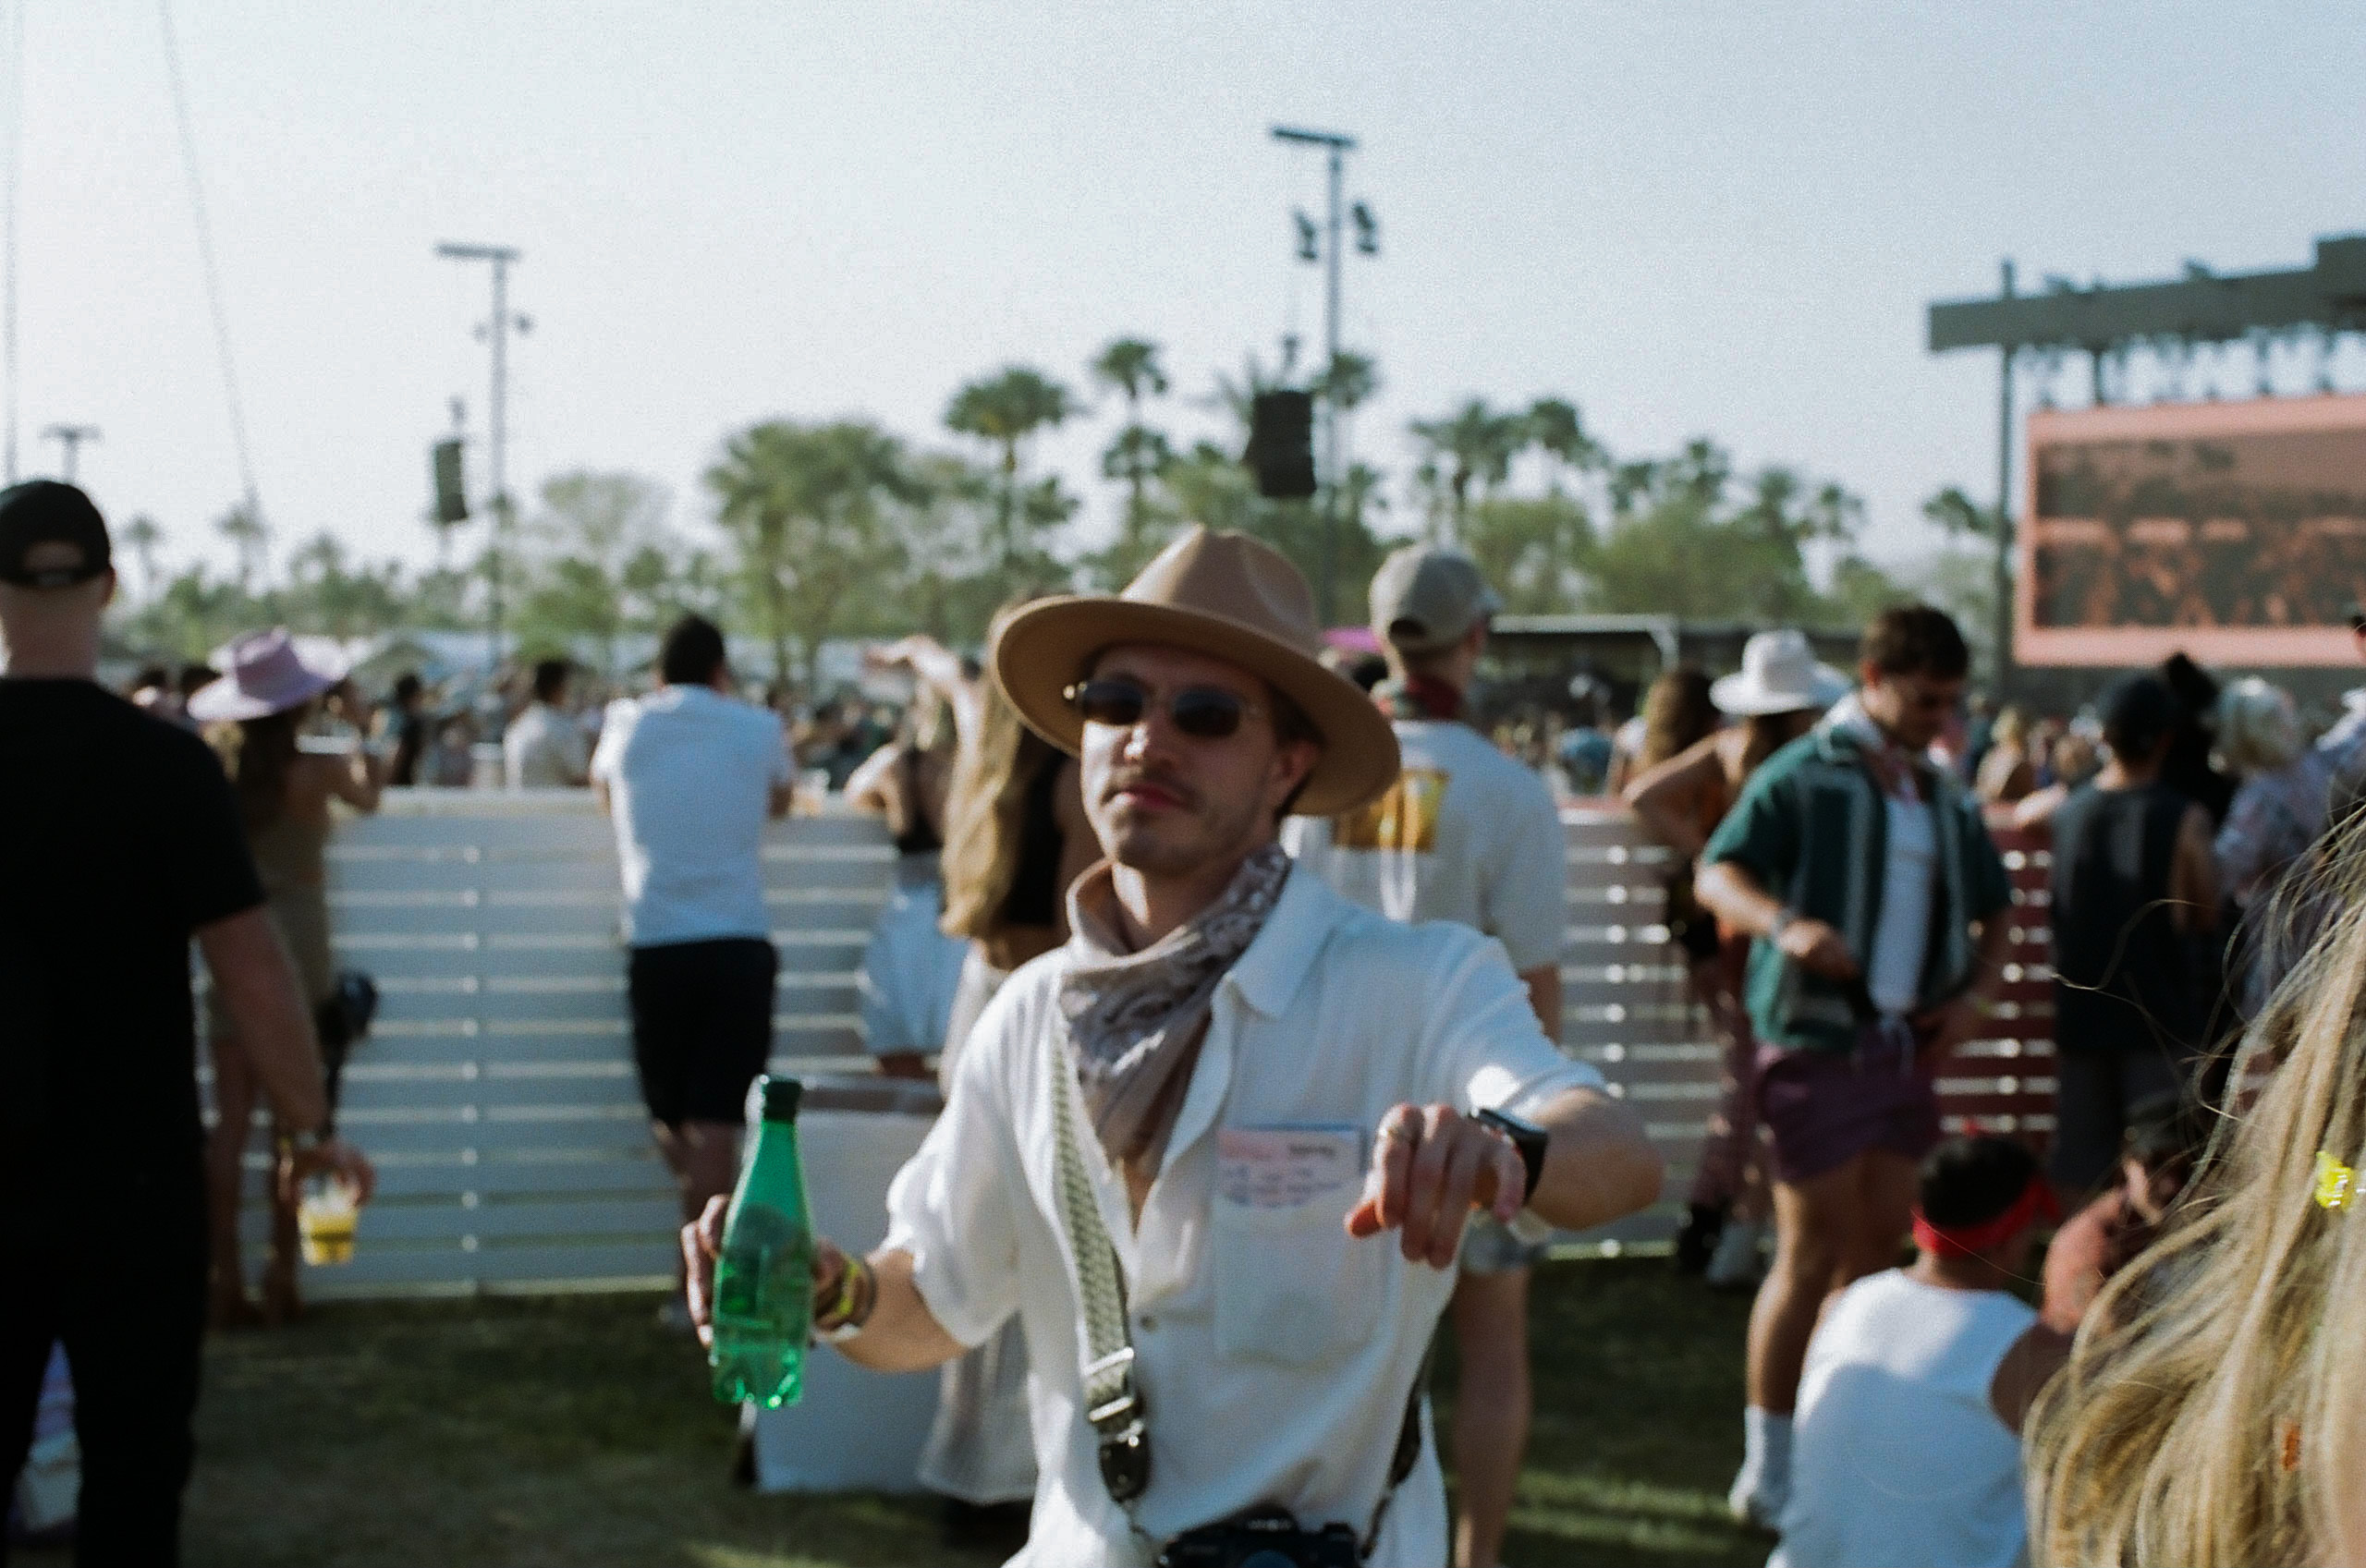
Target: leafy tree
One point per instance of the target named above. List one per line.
(1136, 457)
(1959, 518)
(1129, 367)
(1348, 381)
(590, 527)
(570, 598)
(1679, 545)
(1556, 429)
(1475, 444)
(808, 507)
(142, 534)
(326, 594)
(1530, 549)
(247, 535)
(1004, 409)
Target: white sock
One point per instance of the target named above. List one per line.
(1766, 1457)
(1771, 1436)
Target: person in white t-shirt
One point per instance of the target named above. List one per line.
(1467, 835)
(689, 773)
(1216, 1152)
(1908, 1441)
(545, 747)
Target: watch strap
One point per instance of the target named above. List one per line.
(1526, 1137)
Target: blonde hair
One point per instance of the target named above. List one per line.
(2212, 1409)
(2258, 732)
(2012, 725)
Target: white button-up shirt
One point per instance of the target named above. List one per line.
(1273, 1354)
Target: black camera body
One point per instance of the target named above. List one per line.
(1266, 1538)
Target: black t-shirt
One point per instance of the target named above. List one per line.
(119, 837)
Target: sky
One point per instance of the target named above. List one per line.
(1687, 219)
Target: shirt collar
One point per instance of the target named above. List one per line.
(1269, 974)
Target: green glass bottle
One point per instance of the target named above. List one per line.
(764, 1281)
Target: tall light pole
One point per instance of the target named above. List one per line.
(497, 331)
(71, 437)
(1336, 145)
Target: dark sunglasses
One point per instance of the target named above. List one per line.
(1203, 712)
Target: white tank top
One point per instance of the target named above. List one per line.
(1896, 1456)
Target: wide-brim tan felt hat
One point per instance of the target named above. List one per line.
(1222, 594)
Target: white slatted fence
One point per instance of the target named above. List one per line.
(497, 1095)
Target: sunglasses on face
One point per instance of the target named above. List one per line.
(1203, 712)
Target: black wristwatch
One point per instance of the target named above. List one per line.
(1527, 1137)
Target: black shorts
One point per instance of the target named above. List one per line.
(701, 1025)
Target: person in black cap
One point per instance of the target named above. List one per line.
(123, 842)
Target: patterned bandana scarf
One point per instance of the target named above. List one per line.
(1891, 765)
(1135, 1020)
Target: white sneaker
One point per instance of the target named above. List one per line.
(1737, 1262)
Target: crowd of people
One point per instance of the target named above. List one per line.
(1240, 980)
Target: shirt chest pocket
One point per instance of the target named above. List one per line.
(1291, 1285)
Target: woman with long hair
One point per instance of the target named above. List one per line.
(2213, 1410)
(1680, 799)
(1015, 838)
(911, 969)
(253, 717)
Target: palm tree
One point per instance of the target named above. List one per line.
(1556, 429)
(142, 534)
(1006, 409)
(1129, 366)
(807, 505)
(245, 533)
(1474, 442)
(1348, 381)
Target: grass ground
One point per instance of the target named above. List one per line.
(574, 1431)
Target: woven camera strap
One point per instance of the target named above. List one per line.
(1113, 1406)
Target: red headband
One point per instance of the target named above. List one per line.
(2035, 1203)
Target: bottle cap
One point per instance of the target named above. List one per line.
(781, 1096)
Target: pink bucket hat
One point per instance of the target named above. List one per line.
(263, 673)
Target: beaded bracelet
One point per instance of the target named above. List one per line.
(844, 1319)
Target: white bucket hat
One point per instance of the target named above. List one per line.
(1779, 675)
(263, 673)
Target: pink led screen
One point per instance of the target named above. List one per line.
(2235, 531)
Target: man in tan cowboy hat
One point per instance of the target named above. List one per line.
(1172, 1144)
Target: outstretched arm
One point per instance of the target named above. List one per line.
(1431, 1165)
(899, 1333)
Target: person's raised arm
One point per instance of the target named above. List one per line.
(939, 667)
(897, 1332)
(258, 987)
(870, 787)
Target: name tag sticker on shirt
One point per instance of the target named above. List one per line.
(1288, 1167)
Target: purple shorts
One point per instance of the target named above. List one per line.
(1824, 1108)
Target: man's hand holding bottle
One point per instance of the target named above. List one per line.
(844, 1290)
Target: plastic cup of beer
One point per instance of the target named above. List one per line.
(325, 1217)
